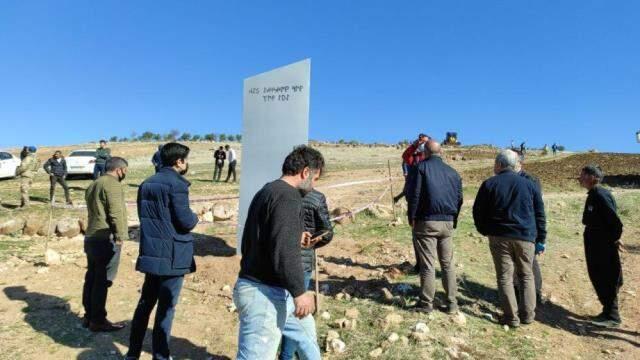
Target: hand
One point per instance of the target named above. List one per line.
(305, 240)
(540, 248)
(620, 246)
(305, 305)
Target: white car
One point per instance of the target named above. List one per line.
(81, 162)
(8, 165)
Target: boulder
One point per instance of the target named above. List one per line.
(345, 215)
(460, 319)
(11, 226)
(375, 353)
(337, 346)
(208, 216)
(51, 257)
(68, 227)
(352, 313)
(33, 224)
(221, 213)
(47, 229)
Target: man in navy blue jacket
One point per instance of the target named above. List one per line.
(166, 248)
(434, 195)
(510, 211)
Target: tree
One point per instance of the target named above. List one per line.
(113, 139)
(239, 137)
(222, 137)
(210, 137)
(341, 141)
(196, 137)
(134, 136)
(146, 136)
(185, 137)
(123, 139)
(157, 137)
(231, 138)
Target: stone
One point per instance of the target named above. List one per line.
(325, 315)
(68, 228)
(460, 319)
(47, 230)
(221, 213)
(452, 352)
(393, 337)
(390, 320)
(375, 353)
(32, 225)
(337, 346)
(506, 327)
(487, 316)
(387, 295)
(421, 328)
(404, 340)
(42, 270)
(208, 216)
(231, 307)
(332, 334)
(226, 288)
(11, 226)
(51, 257)
(345, 215)
(419, 337)
(352, 313)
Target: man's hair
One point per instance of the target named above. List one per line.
(172, 152)
(58, 152)
(103, 141)
(301, 157)
(221, 147)
(227, 146)
(114, 163)
(594, 170)
(507, 159)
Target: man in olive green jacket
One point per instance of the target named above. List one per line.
(103, 154)
(107, 229)
(27, 170)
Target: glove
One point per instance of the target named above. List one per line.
(540, 247)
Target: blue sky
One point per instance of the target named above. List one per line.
(540, 71)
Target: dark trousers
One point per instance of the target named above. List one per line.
(217, 172)
(53, 179)
(605, 270)
(232, 171)
(103, 258)
(99, 170)
(163, 290)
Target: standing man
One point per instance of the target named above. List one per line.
(27, 170)
(554, 149)
(315, 214)
(510, 211)
(219, 156)
(411, 157)
(107, 229)
(103, 153)
(602, 245)
(56, 167)
(166, 249)
(435, 198)
(270, 294)
(231, 157)
(156, 160)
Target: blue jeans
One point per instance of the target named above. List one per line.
(266, 314)
(99, 170)
(289, 346)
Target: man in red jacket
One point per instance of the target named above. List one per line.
(411, 156)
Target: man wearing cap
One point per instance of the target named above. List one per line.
(27, 170)
(602, 245)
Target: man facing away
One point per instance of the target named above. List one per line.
(435, 197)
(103, 153)
(166, 249)
(315, 214)
(231, 158)
(411, 157)
(56, 167)
(270, 295)
(219, 156)
(602, 244)
(27, 170)
(156, 160)
(107, 229)
(510, 211)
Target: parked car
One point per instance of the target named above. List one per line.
(8, 165)
(81, 162)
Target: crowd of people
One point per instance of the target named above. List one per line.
(288, 219)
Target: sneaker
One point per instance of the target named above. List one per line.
(449, 309)
(608, 323)
(422, 308)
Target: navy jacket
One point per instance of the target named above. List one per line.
(600, 214)
(316, 219)
(166, 221)
(510, 205)
(156, 160)
(434, 191)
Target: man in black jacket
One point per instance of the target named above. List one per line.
(510, 211)
(56, 167)
(315, 214)
(602, 244)
(435, 197)
(219, 157)
(270, 294)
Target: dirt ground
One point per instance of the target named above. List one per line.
(40, 307)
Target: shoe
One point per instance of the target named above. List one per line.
(415, 270)
(608, 323)
(422, 308)
(528, 321)
(449, 309)
(106, 326)
(599, 317)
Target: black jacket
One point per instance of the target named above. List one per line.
(316, 220)
(53, 167)
(434, 191)
(220, 156)
(600, 214)
(510, 205)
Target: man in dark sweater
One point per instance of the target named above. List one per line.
(435, 198)
(602, 244)
(219, 157)
(510, 211)
(270, 295)
(56, 167)
(103, 153)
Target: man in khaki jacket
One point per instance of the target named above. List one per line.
(27, 170)
(107, 229)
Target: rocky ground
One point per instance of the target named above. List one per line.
(364, 274)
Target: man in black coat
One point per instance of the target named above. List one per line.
(602, 244)
(510, 211)
(219, 157)
(56, 167)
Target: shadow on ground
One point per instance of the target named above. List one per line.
(51, 316)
